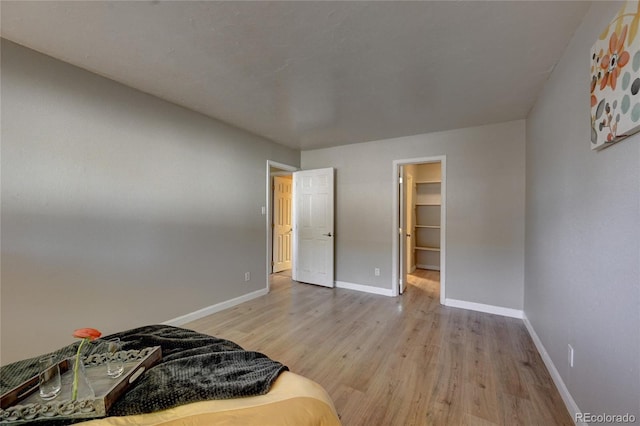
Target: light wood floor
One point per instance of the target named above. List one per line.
(398, 361)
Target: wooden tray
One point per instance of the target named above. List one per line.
(23, 403)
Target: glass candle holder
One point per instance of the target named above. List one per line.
(49, 377)
(115, 362)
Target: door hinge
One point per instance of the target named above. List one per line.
(400, 281)
(272, 263)
(400, 179)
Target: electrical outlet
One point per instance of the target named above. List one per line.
(247, 276)
(570, 356)
(376, 272)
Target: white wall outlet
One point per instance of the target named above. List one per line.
(376, 272)
(570, 356)
(247, 276)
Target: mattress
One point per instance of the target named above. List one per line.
(293, 400)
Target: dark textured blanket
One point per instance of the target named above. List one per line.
(194, 367)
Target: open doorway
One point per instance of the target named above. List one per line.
(312, 224)
(279, 219)
(420, 225)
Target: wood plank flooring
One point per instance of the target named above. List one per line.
(398, 361)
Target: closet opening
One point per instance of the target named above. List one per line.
(420, 225)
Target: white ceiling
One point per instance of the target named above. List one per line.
(311, 74)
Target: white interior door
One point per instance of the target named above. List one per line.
(282, 223)
(410, 231)
(402, 230)
(313, 227)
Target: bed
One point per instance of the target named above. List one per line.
(293, 400)
(201, 380)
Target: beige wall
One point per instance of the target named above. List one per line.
(485, 209)
(430, 171)
(118, 209)
(582, 282)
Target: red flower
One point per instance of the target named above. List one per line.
(614, 60)
(87, 333)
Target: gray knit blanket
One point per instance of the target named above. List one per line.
(194, 367)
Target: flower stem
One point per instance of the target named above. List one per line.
(74, 392)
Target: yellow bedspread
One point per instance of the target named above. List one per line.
(292, 401)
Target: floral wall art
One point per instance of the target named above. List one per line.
(615, 79)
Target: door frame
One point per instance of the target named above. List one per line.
(269, 213)
(395, 254)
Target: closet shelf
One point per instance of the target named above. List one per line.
(428, 248)
(427, 202)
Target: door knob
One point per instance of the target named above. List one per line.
(327, 235)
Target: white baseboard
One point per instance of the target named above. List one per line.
(215, 308)
(481, 307)
(555, 375)
(432, 267)
(365, 288)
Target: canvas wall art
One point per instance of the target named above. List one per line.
(615, 79)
